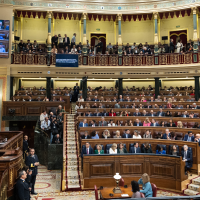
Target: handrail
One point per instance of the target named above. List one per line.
(4, 185)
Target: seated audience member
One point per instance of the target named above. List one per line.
(159, 135)
(160, 150)
(57, 139)
(118, 123)
(136, 135)
(126, 134)
(89, 114)
(166, 135)
(103, 122)
(144, 113)
(106, 134)
(197, 138)
(126, 113)
(189, 137)
(113, 149)
(45, 125)
(162, 124)
(185, 114)
(43, 116)
(117, 105)
(135, 149)
(146, 185)
(173, 151)
(93, 123)
(173, 136)
(135, 190)
(85, 136)
(87, 150)
(147, 134)
(117, 135)
(154, 123)
(83, 124)
(99, 150)
(171, 123)
(151, 114)
(196, 125)
(121, 149)
(160, 113)
(94, 135)
(79, 106)
(80, 99)
(111, 123)
(147, 148)
(54, 50)
(147, 122)
(137, 123)
(179, 124)
(112, 113)
(187, 158)
(95, 99)
(73, 50)
(136, 113)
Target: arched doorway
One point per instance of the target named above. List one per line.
(94, 40)
(179, 35)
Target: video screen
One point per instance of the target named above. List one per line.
(4, 38)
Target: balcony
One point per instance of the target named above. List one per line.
(112, 60)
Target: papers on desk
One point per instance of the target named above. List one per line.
(124, 195)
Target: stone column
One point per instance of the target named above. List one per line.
(195, 46)
(155, 32)
(120, 86)
(48, 88)
(13, 31)
(196, 83)
(49, 38)
(119, 35)
(85, 61)
(84, 88)
(157, 84)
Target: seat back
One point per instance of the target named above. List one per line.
(96, 192)
(162, 145)
(190, 124)
(108, 146)
(142, 195)
(154, 189)
(179, 135)
(121, 182)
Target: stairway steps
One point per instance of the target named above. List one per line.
(190, 192)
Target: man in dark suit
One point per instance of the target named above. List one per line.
(87, 150)
(185, 114)
(166, 135)
(148, 105)
(160, 113)
(76, 91)
(93, 123)
(99, 46)
(129, 51)
(103, 122)
(137, 123)
(33, 162)
(187, 158)
(189, 137)
(54, 41)
(85, 136)
(136, 113)
(120, 98)
(25, 146)
(126, 134)
(97, 113)
(57, 139)
(171, 48)
(135, 149)
(154, 123)
(89, 114)
(30, 99)
(22, 187)
(95, 99)
(66, 41)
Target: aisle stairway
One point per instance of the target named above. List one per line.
(193, 188)
(72, 162)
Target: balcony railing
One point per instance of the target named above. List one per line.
(113, 60)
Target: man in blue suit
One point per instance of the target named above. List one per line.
(95, 99)
(135, 149)
(137, 123)
(136, 113)
(87, 150)
(127, 134)
(89, 114)
(185, 114)
(166, 135)
(189, 137)
(120, 98)
(83, 124)
(152, 114)
(187, 158)
(160, 113)
(154, 123)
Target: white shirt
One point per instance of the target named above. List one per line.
(113, 124)
(136, 137)
(73, 50)
(80, 99)
(42, 117)
(45, 124)
(73, 39)
(77, 107)
(112, 152)
(60, 39)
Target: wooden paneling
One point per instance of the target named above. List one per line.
(162, 169)
(32, 108)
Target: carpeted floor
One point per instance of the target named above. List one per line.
(48, 184)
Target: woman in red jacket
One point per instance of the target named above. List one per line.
(112, 113)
